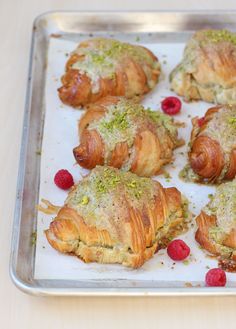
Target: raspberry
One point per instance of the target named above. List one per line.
(178, 250)
(215, 277)
(201, 121)
(63, 179)
(171, 105)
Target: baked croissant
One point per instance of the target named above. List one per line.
(117, 217)
(208, 68)
(212, 155)
(217, 225)
(121, 133)
(101, 67)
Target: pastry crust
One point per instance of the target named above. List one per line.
(217, 223)
(212, 154)
(101, 67)
(121, 133)
(208, 68)
(117, 217)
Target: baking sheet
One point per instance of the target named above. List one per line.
(59, 138)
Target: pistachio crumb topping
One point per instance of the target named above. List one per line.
(101, 57)
(220, 35)
(123, 119)
(223, 206)
(99, 193)
(232, 121)
(113, 194)
(85, 200)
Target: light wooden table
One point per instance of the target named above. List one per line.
(18, 310)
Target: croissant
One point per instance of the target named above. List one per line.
(217, 225)
(101, 67)
(212, 155)
(117, 217)
(121, 133)
(208, 68)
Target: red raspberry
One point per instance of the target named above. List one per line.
(178, 250)
(171, 105)
(201, 121)
(63, 179)
(215, 277)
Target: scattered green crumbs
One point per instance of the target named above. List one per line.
(102, 56)
(132, 184)
(186, 262)
(109, 180)
(164, 119)
(85, 200)
(103, 194)
(122, 120)
(118, 121)
(220, 35)
(137, 39)
(216, 233)
(232, 121)
(99, 188)
(167, 175)
(223, 206)
(33, 238)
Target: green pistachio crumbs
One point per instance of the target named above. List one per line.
(110, 179)
(103, 182)
(232, 121)
(102, 57)
(121, 115)
(122, 120)
(220, 35)
(85, 200)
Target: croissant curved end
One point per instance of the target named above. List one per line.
(80, 154)
(206, 158)
(91, 144)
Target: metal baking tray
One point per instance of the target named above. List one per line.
(170, 26)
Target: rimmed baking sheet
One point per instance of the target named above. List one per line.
(49, 270)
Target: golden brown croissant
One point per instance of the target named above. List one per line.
(121, 133)
(117, 217)
(217, 223)
(208, 68)
(212, 155)
(101, 67)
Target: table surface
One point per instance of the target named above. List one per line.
(23, 311)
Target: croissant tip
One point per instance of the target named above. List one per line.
(77, 152)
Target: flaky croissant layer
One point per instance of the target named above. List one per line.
(121, 133)
(212, 154)
(208, 68)
(101, 67)
(217, 223)
(117, 217)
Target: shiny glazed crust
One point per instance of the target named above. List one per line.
(130, 238)
(206, 156)
(208, 68)
(131, 77)
(150, 151)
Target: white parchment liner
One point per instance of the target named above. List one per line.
(60, 136)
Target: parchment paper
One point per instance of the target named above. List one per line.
(60, 136)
